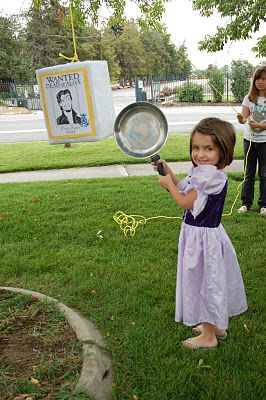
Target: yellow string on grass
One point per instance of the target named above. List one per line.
(129, 223)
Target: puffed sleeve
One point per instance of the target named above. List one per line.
(206, 180)
(183, 183)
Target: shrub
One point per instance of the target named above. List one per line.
(176, 90)
(167, 91)
(216, 83)
(192, 93)
(3, 97)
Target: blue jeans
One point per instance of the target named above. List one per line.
(257, 155)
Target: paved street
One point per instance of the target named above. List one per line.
(31, 127)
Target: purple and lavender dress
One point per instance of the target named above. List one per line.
(209, 282)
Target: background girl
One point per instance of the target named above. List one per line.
(253, 114)
(209, 283)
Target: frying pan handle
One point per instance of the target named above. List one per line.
(155, 158)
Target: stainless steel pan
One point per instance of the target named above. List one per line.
(141, 130)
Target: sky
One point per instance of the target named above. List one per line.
(184, 25)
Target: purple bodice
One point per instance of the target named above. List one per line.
(211, 215)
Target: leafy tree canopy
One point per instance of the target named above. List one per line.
(245, 17)
(151, 10)
(13, 52)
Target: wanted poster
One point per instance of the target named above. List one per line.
(73, 103)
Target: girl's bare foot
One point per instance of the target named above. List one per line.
(200, 342)
(221, 333)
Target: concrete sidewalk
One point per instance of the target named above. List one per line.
(110, 171)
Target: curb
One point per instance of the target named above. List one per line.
(96, 373)
(14, 110)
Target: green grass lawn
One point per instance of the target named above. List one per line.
(59, 238)
(42, 155)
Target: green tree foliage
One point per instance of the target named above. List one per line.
(13, 52)
(130, 51)
(149, 52)
(151, 10)
(162, 58)
(128, 48)
(89, 43)
(96, 44)
(246, 17)
(200, 73)
(210, 69)
(109, 54)
(241, 71)
(216, 82)
(179, 64)
(156, 56)
(48, 33)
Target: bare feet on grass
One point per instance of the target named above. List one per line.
(199, 342)
(197, 330)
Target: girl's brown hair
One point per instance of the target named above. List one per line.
(253, 93)
(223, 135)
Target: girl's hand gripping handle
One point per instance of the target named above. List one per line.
(155, 158)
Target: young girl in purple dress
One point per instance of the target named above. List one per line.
(209, 286)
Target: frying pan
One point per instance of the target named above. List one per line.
(141, 130)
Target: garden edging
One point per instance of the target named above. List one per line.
(96, 373)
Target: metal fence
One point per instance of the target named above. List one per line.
(156, 90)
(23, 94)
(20, 94)
(172, 89)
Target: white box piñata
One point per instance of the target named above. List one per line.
(77, 101)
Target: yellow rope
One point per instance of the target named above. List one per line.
(75, 56)
(129, 223)
(244, 178)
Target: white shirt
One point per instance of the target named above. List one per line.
(257, 112)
